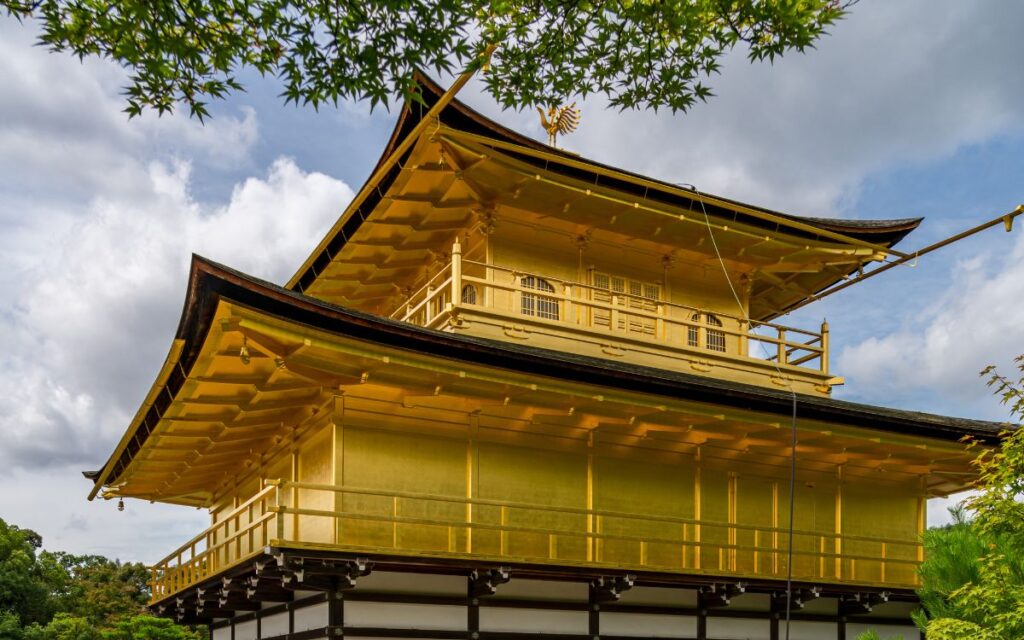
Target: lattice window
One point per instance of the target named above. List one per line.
(533, 304)
(714, 338)
(468, 294)
(626, 294)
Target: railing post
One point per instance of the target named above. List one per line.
(824, 346)
(279, 524)
(885, 548)
(394, 522)
(570, 308)
(782, 346)
(744, 342)
(456, 273)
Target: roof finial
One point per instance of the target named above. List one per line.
(559, 120)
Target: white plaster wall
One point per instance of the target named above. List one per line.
(803, 630)
(275, 625)
(245, 630)
(404, 616)
(314, 617)
(532, 620)
(224, 633)
(614, 623)
(741, 629)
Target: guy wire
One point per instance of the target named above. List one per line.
(793, 441)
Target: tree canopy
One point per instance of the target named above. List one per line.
(973, 576)
(638, 53)
(59, 596)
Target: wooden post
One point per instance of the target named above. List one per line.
(570, 308)
(744, 340)
(824, 346)
(335, 613)
(782, 347)
(593, 615)
(456, 273)
(472, 614)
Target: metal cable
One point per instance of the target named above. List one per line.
(793, 440)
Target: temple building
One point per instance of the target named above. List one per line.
(516, 394)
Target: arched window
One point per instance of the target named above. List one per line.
(534, 304)
(714, 338)
(468, 294)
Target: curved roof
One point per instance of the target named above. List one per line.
(211, 284)
(878, 234)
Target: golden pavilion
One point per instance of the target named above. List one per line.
(515, 394)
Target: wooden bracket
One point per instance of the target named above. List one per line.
(610, 588)
(719, 594)
(797, 600)
(861, 603)
(484, 582)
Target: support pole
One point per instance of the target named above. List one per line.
(1006, 220)
(702, 623)
(472, 617)
(335, 613)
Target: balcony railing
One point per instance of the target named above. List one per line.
(405, 523)
(620, 321)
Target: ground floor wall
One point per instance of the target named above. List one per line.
(398, 605)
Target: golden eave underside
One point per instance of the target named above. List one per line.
(234, 414)
(453, 182)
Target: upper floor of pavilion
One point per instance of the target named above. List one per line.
(469, 227)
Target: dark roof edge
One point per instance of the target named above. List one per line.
(210, 282)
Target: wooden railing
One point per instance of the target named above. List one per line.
(409, 523)
(242, 533)
(623, 315)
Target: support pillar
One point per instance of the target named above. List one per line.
(335, 613)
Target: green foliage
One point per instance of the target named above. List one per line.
(639, 53)
(10, 626)
(64, 626)
(973, 581)
(60, 596)
(25, 577)
(103, 590)
(873, 635)
(150, 628)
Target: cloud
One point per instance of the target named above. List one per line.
(143, 532)
(976, 321)
(96, 315)
(64, 132)
(895, 82)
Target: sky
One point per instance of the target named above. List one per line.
(909, 108)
